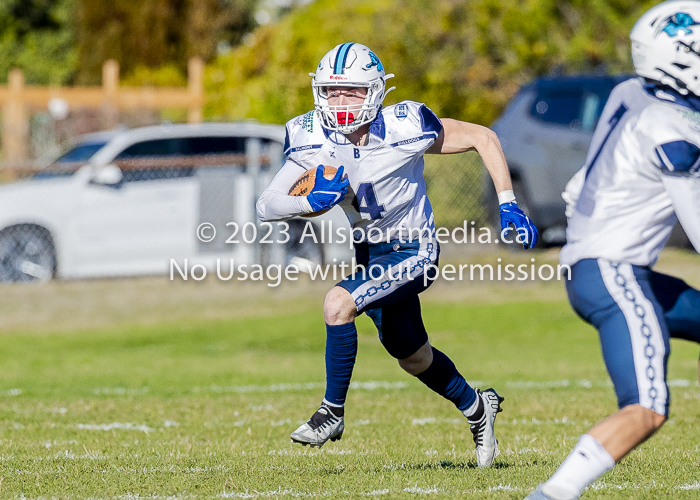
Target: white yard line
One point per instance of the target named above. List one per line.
(120, 391)
(693, 486)
(365, 386)
(128, 426)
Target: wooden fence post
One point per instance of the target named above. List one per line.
(110, 89)
(195, 87)
(15, 121)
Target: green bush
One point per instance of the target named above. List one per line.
(464, 58)
(39, 38)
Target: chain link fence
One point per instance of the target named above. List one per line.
(137, 207)
(457, 188)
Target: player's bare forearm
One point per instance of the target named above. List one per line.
(458, 137)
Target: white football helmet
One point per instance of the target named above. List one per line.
(349, 65)
(666, 45)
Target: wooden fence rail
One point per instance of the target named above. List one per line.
(15, 99)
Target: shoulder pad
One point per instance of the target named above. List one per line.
(411, 125)
(305, 136)
(672, 131)
(630, 85)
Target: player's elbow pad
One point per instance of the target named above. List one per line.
(260, 209)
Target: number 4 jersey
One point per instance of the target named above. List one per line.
(387, 197)
(642, 174)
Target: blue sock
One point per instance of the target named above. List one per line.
(341, 349)
(442, 377)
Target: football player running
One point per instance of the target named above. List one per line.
(642, 174)
(379, 154)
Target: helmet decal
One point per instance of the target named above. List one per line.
(676, 23)
(374, 62)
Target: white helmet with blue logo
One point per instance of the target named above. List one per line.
(666, 45)
(349, 65)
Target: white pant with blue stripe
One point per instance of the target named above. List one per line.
(636, 311)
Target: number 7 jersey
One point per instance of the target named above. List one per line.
(642, 174)
(387, 196)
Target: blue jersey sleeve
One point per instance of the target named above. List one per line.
(680, 158)
(287, 147)
(429, 121)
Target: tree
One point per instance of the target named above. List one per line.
(464, 58)
(38, 37)
(156, 33)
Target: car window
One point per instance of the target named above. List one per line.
(80, 152)
(558, 107)
(158, 159)
(266, 145)
(213, 145)
(72, 159)
(144, 161)
(158, 147)
(232, 150)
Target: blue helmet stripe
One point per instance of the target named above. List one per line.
(341, 57)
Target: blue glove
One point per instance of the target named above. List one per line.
(327, 193)
(526, 232)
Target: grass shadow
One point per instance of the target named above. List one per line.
(445, 465)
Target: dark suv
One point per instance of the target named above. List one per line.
(545, 132)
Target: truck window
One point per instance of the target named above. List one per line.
(558, 107)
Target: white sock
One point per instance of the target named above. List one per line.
(586, 463)
(474, 406)
(326, 402)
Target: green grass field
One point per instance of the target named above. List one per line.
(154, 389)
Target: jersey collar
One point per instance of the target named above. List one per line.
(669, 94)
(377, 128)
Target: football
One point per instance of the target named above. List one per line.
(303, 185)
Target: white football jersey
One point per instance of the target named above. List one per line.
(642, 173)
(387, 196)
